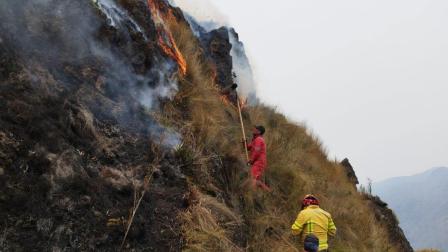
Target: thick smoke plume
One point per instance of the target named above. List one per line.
(204, 12)
(203, 17)
(66, 34)
(242, 68)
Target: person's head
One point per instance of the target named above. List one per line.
(308, 200)
(258, 130)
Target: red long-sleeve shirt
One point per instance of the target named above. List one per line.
(257, 150)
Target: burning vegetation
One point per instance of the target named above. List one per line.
(106, 144)
(161, 16)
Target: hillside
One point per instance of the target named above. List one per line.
(419, 201)
(115, 134)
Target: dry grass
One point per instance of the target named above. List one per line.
(298, 165)
(200, 95)
(205, 124)
(206, 225)
(428, 250)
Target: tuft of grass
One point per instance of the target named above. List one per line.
(206, 225)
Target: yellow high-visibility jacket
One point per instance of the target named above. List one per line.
(314, 220)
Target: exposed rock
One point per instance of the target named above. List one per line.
(217, 46)
(350, 171)
(385, 216)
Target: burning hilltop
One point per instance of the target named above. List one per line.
(114, 135)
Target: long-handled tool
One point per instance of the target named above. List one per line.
(234, 86)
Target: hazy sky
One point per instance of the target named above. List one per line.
(370, 78)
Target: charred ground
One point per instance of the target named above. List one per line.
(75, 143)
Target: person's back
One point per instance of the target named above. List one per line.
(314, 220)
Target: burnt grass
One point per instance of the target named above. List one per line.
(55, 192)
(74, 150)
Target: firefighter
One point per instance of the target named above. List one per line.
(257, 161)
(313, 221)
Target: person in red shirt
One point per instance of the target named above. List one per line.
(257, 160)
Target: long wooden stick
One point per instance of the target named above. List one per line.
(242, 126)
(131, 219)
(135, 208)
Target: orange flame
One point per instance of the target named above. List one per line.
(243, 102)
(165, 38)
(226, 100)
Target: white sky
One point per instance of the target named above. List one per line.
(370, 78)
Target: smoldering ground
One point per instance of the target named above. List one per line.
(67, 35)
(79, 85)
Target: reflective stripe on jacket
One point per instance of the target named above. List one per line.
(314, 220)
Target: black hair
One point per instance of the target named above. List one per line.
(261, 129)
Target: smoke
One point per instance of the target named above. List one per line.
(203, 17)
(66, 34)
(167, 87)
(48, 30)
(242, 69)
(204, 12)
(117, 17)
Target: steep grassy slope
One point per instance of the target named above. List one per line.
(79, 148)
(227, 216)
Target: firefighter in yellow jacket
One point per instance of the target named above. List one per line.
(314, 221)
